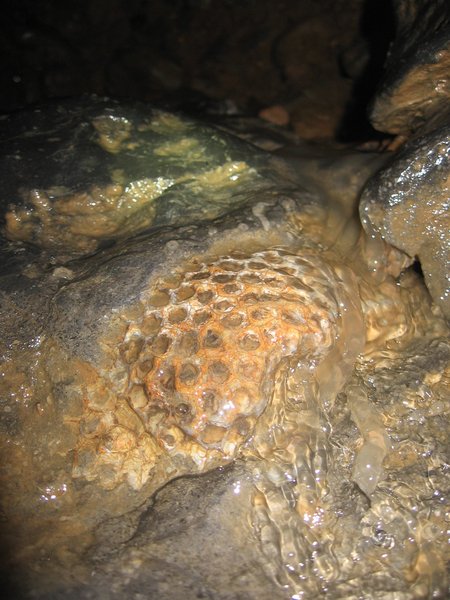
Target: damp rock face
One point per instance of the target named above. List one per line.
(229, 327)
(407, 202)
(415, 86)
(80, 173)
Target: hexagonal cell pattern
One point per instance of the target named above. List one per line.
(206, 354)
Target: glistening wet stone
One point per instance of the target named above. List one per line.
(139, 459)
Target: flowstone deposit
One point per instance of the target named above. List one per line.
(203, 357)
(251, 336)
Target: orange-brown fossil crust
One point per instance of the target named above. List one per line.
(216, 338)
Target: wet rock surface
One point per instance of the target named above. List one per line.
(415, 86)
(80, 173)
(407, 203)
(151, 551)
(243, 397)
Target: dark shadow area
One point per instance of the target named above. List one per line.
(203, 56)
(10, 588)
(378, 27)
